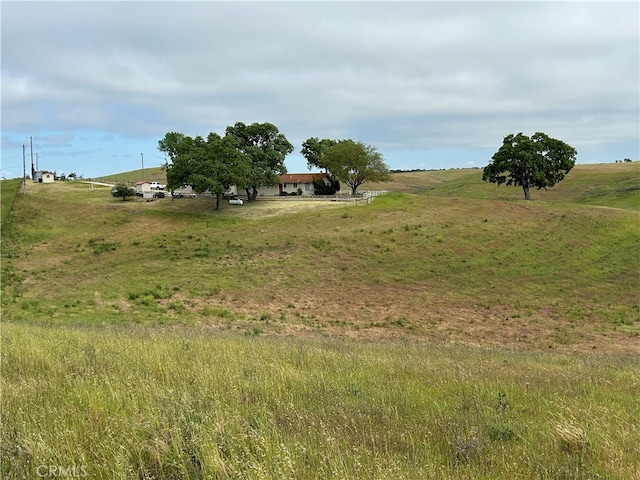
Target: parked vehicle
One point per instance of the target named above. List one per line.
(157, 186)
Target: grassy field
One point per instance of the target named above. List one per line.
(153, 174)
(8, 192)
(448, 330)
(140, 402)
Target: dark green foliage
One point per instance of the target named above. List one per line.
(249, 156)
(321, 188)
(353, 163)
(539, 161)
(312, 150)
(210, 165)
(122, 190)
(266, 149)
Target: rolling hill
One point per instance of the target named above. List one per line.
(441, 262)
(447, 330)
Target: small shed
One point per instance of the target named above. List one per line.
(43, 176)
(142, 187)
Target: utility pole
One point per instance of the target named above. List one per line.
(142, 157)
(24, 171)
(31, 147)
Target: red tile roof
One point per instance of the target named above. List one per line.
(300, 177)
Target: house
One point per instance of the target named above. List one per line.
(43, 176)
(289, 184)
(294, 183)
(300, 182)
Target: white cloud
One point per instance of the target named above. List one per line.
(405, 75)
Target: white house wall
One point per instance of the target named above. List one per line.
(288, 187)
(268, 191)
(307, 188)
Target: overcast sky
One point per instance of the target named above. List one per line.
(430, 84)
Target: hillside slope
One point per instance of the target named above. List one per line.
(610, 185)
(451, 265)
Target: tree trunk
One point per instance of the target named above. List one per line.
(527, 194)
(217, 201)
(251, 194)
(354, 190)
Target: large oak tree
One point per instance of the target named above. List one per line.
(267, 149)
(210, 165)
(539, 162)
(355, 163)
(313, 149)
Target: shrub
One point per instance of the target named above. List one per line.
(122, 190)
(320, 188)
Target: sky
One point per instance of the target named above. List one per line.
(91, 87)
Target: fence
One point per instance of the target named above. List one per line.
(368, 197)
(364, 197)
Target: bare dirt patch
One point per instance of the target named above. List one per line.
(272, 208)
(382, 315)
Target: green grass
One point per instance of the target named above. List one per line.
(449, 331)
(8, 191)
(608, 185)
(616, 186)
(420, 181)
(343, 270)
(192, 403)
(440, 255)
(154, 174)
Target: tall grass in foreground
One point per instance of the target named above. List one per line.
(191, 403)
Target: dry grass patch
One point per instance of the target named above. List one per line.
(188, 402)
